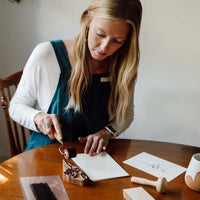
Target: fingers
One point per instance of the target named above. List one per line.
(95, 143)
(100, 146)
(48, 130)
(94, 146)
(49, 124)
(90, 146)
(82, 140)
(57, 127)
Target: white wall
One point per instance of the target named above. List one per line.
(167, 93)
(168, 89)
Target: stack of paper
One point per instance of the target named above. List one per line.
(99, 167)
(137, 193)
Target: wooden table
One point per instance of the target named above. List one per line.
(47, 160)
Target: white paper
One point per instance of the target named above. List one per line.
(138, 193)
(155, 166)
(99, 167)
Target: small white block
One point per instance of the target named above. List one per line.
(137, 193)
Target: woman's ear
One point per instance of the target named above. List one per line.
(86, 18)
(88, 23)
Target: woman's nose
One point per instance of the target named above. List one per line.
(105, 45)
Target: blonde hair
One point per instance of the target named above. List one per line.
(124, 66)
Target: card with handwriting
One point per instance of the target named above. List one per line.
(155, 166)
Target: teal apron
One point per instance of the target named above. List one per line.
(94, 103)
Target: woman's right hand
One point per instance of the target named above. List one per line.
(49, 124)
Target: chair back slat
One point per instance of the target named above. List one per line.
(9, 94)
(23, 137)
(17, 134)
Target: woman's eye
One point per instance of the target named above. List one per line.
(100, 35)
(118, 42)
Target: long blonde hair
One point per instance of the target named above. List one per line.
(124, 62)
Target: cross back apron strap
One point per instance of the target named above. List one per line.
(94, 114)
(39, 139)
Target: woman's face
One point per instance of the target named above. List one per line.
(105, 37)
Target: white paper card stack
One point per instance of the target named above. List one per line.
(137, 193)
(99, 167)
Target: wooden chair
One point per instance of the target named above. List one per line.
(16, 133)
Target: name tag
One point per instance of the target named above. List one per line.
(105, 79)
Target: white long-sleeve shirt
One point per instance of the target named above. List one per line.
(38, 85)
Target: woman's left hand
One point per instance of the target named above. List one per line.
(96, 142)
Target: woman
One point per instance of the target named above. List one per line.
(82, 89)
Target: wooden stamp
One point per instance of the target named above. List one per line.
(74, 175)
(160, 184)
